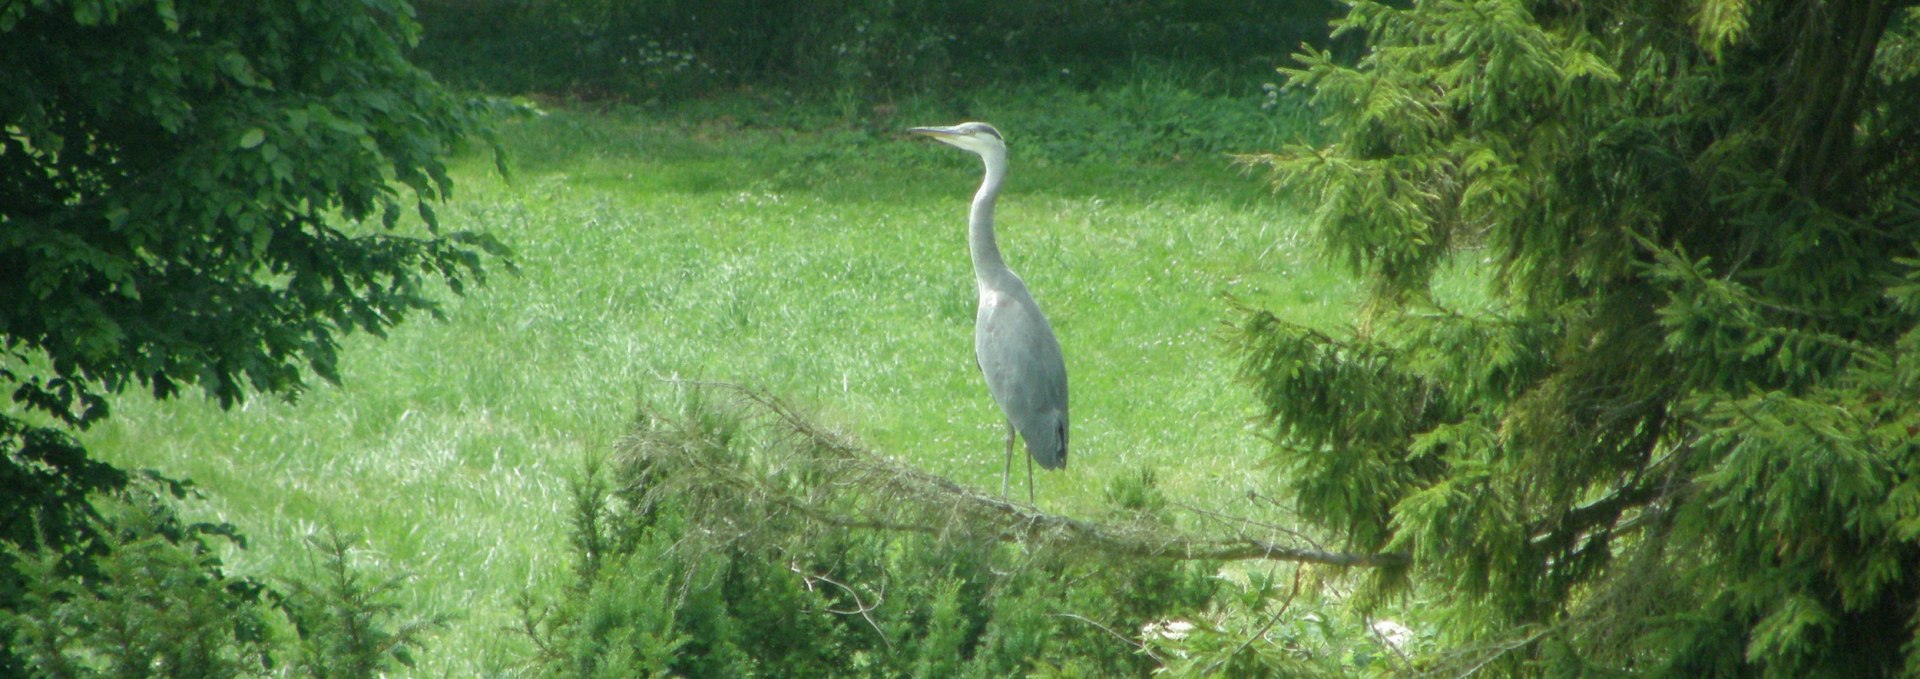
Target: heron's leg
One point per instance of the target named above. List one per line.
(1007, 470)
(1029, 479)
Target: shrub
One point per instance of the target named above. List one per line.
(156, 603)
(347, 624)
(151, 598)
(658, 592)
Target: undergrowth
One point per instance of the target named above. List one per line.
(153, 599)
(668, 583)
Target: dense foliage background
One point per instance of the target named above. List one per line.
(869, 50)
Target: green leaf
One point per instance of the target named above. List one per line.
(252, 137)
(169, 15)
(1721, 23)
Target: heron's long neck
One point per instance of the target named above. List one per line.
(988, 267)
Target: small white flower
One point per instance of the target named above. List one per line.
(1394, 634)
(1167, 629)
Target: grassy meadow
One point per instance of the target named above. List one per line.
(827, 267)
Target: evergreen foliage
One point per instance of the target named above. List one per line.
(155, 603)
(154, 600)
(346, 625)
(1680, 437)
(671, 584)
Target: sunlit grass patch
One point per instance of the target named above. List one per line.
(826, 267)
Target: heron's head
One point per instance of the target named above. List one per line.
(979, 138)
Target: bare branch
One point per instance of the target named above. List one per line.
(1142, 647)
(860, 608)
(798, 470)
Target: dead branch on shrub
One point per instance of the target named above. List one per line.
(750, 466)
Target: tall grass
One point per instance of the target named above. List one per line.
(828, 267)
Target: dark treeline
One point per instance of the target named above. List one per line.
(671, 49)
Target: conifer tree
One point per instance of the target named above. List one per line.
(1677, 436)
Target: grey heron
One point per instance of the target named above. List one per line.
(1013, 344)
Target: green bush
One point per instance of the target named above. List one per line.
(741, 540)
(657, 594)
(157, 604)
(151, 598)
(346, 624)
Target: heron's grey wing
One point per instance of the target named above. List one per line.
(1021, 361)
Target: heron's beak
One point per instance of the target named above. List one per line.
(935, 132)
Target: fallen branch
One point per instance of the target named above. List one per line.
(800, 470)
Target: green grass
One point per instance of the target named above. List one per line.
(826, 267)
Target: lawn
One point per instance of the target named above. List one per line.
(828, 268)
